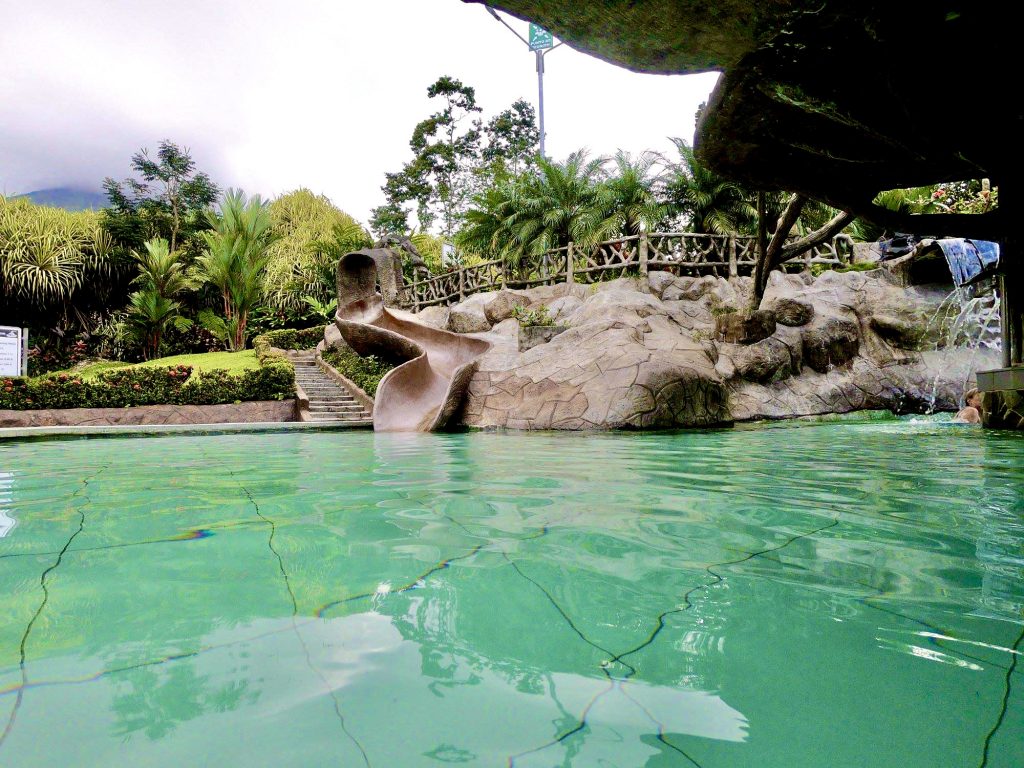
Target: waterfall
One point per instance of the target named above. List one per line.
(967, 318)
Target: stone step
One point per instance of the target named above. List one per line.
(329, 401)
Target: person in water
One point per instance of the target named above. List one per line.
(971, 412)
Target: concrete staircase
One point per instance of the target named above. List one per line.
(329, 401)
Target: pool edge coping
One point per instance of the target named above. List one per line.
(18, 434)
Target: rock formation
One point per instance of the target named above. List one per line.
(679, 352)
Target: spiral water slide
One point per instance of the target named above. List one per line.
(425, 391)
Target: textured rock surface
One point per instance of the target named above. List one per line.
(434, 316)
(630, 359)
(790, 311)
(469, 316)
(533, 336)
(231, 413)
(502, 304)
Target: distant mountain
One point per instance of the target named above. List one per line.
(68, 198)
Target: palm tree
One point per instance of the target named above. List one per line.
(484, 231)
(148, 318)
(711, 203)
(634, 204)
(161, 269)
(235, 261)
(152, 309)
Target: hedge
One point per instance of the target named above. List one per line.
(123, 387)
(289, 338)
(364, 372)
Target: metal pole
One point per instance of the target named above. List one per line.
(540, 98)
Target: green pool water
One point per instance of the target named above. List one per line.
(829, 595)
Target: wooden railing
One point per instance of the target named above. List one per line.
(682, 253)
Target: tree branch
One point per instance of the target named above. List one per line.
(818, 236)
(776, 247)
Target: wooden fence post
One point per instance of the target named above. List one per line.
(643, 254)
(570, 267)
(462, 284)
(734, 269)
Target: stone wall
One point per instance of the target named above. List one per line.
(232, 413)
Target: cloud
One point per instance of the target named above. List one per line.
(271, 96)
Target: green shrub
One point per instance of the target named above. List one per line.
(364, 372)
(289, 338)
(124, 387)
(531, 318)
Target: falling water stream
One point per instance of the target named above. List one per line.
(969, 318)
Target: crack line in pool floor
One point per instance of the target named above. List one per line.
(22, 650)
(191, 534)
(718, 580)
(295, 627)
(1005, 702)
(418, 582)
(618, 658)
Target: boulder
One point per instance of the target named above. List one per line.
(690, 288)
(333, 338)
(469, 316)
(436, 317)
(791, 312)
(659, 281)
(737, 328)
(765, 361)
(508, 328)
(902, 331)
(625, 306)
(502, 304)
(829, 342)
(564, 308)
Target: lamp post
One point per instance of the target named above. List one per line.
(541, 43)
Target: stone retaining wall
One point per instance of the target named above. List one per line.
(1003, 409)
(232, 413)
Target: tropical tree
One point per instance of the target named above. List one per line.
(446, 148)
(235, 262)
(633, 194)
(310, 235)
(169, 201)
(160, 269)
(566, 202)
(710, 204)
(59, 274)
(513, 140)
(149, 316)
(152, 309)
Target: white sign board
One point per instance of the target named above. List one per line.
(447, 254)
(11, 347)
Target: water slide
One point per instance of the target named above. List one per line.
(425, 391)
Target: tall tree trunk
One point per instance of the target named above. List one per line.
(777, 251)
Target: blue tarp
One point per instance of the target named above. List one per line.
(969, 259)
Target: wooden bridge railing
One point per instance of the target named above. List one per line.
(683, 253)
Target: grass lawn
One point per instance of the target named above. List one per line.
(234, 362)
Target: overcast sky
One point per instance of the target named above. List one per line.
(271, 96)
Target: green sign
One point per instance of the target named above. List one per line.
(540, 38)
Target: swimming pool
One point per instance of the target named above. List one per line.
(827, 595)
